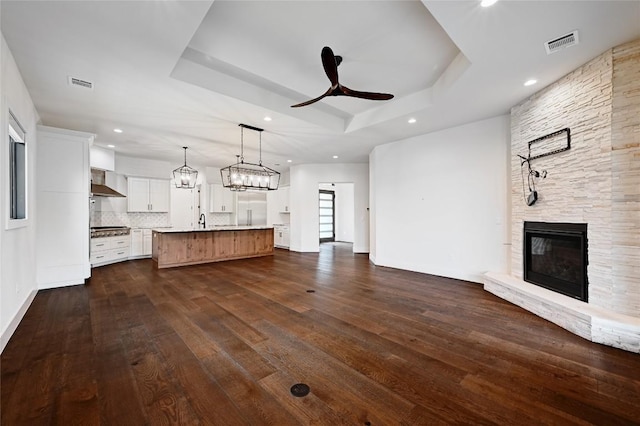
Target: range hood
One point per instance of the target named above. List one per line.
(99, 187)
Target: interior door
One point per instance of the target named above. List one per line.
(182, 208)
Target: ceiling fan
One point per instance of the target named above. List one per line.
(330, 63)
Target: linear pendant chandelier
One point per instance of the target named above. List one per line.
(243, 176)
(185, 176)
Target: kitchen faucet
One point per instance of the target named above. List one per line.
(203, 221)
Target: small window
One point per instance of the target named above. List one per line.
(17, 170)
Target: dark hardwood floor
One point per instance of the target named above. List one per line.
(222, 344)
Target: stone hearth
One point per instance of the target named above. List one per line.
(587, 321)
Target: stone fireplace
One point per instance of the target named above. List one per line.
(595, 183)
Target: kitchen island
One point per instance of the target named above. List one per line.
(178, 247)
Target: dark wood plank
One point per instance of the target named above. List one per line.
(222, 343)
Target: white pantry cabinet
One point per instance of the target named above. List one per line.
(148, 195)
(62, 210)
(220, 199)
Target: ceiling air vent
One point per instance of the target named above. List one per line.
(555, 45)
(80, 83)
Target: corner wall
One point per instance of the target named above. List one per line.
(17, 246)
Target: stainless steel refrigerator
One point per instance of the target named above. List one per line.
(252, 208)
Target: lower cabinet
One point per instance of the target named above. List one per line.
(105, 250)
(281, 236)
(140, 243)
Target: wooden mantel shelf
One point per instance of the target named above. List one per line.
(176, 247)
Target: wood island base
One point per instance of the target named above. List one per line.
(172, 248)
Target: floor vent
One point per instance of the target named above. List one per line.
(557, 44)
(80, 83)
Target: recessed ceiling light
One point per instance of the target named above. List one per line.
(411, 120)
(267, 118)
(111, 146)
(117, 130)
(289, 161)
(530, 82)
(487, 3)
(335, 156)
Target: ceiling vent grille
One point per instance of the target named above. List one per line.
(80, 83)
(557, 44)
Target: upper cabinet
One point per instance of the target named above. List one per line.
(220, 199)
(283, 199)
(148, 195)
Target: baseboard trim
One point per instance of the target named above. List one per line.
(60, 284)
(13, 324)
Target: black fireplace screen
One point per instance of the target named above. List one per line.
(555, 257)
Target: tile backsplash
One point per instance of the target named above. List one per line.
(149, 220)
(133, 220)
(219, 219)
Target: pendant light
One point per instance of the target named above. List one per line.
(185, 176)
(243, 176)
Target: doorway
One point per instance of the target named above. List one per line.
(327, 215)
(185, 207)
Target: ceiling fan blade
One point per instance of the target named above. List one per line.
(330, 65)
(327, 93)
(366, 95)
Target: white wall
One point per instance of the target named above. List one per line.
(441, 201)
(304, 203)
(142, 167)
(17, 246)
(345, 209)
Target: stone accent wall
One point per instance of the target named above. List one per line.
(597, 181)
(625, 173)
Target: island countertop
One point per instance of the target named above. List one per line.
(213, 228)
(177, 247)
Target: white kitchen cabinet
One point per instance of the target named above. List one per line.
(281, 236)
(148, 195)
(140, 243)
(61, 213)
(284, 199)
(105, 250)
(220, 199)
(277, 237)
(146, 242)
(137, 242)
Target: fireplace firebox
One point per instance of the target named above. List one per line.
(555, 257)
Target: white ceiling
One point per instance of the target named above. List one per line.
(173, 74)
